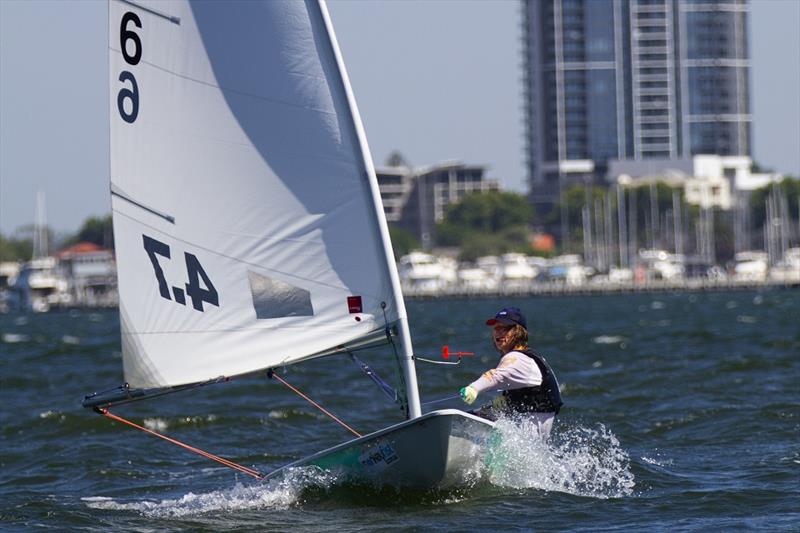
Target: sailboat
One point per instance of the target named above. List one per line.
(247, 215)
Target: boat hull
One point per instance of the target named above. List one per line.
(440, 449)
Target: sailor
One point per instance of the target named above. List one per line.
(528, 383)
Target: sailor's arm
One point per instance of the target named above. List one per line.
(509, 374)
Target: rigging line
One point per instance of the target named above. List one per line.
(441, 400)
(272, 374)
(245, 470)
(387, 389)
(401, 399)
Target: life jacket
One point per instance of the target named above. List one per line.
(544, 398)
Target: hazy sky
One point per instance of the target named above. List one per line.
(436, 80)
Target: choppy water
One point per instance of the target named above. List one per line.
(683, 412)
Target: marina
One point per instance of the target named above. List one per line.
(425, 276)
(589, 289)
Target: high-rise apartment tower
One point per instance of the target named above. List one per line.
(630, 79)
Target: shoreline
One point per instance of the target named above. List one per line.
(589, 289)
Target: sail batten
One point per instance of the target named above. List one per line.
(246, 226)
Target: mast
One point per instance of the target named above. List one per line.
(406, 356)
(40, 244)
(622, 227)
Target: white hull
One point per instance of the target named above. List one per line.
(440, 449)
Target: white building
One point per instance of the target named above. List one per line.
(707, 180)
(91, 271)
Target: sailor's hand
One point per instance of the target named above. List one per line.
(468, 394)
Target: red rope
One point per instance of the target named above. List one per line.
(315, 404)
(245, 470)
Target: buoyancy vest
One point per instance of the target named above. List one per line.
(544, 398)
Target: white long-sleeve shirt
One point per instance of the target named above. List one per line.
(514, 371)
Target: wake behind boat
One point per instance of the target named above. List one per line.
(247, 215)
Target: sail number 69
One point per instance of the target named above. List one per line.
(131, 95)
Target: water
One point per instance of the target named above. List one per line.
(683, 412)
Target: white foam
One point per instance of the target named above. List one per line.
(657, 462)
(13, 338)
(577, 460)
(274, 494)
(156, 424)
(582, 461)
(608, 339)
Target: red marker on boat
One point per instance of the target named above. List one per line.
(446, 353)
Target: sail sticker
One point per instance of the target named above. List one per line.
(379, 456)
(354, 304)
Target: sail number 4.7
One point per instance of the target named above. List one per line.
(194, 270)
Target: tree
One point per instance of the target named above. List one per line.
(484, 223)
(579, 196)
(403, 241)
(15, 249)
(396, 159)
(97, 230)
(490, 211)
(789, 189)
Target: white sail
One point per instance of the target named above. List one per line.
(247, 228)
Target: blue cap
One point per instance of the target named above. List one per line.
(509, 316)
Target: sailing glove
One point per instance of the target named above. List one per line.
(468, 394)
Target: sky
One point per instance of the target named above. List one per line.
(435, 80)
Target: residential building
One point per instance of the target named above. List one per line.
(708, 181)
(91, 271)
(396, 184)
(630, 80)
(416, 200)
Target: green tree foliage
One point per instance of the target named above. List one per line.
(486, 223)
(15, 249)
(403, 241)
(595, 198)
(490, 211)
(97, 230)
(789, 188)
(397, 159)
(574, 199)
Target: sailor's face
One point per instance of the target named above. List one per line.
(500, 336)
